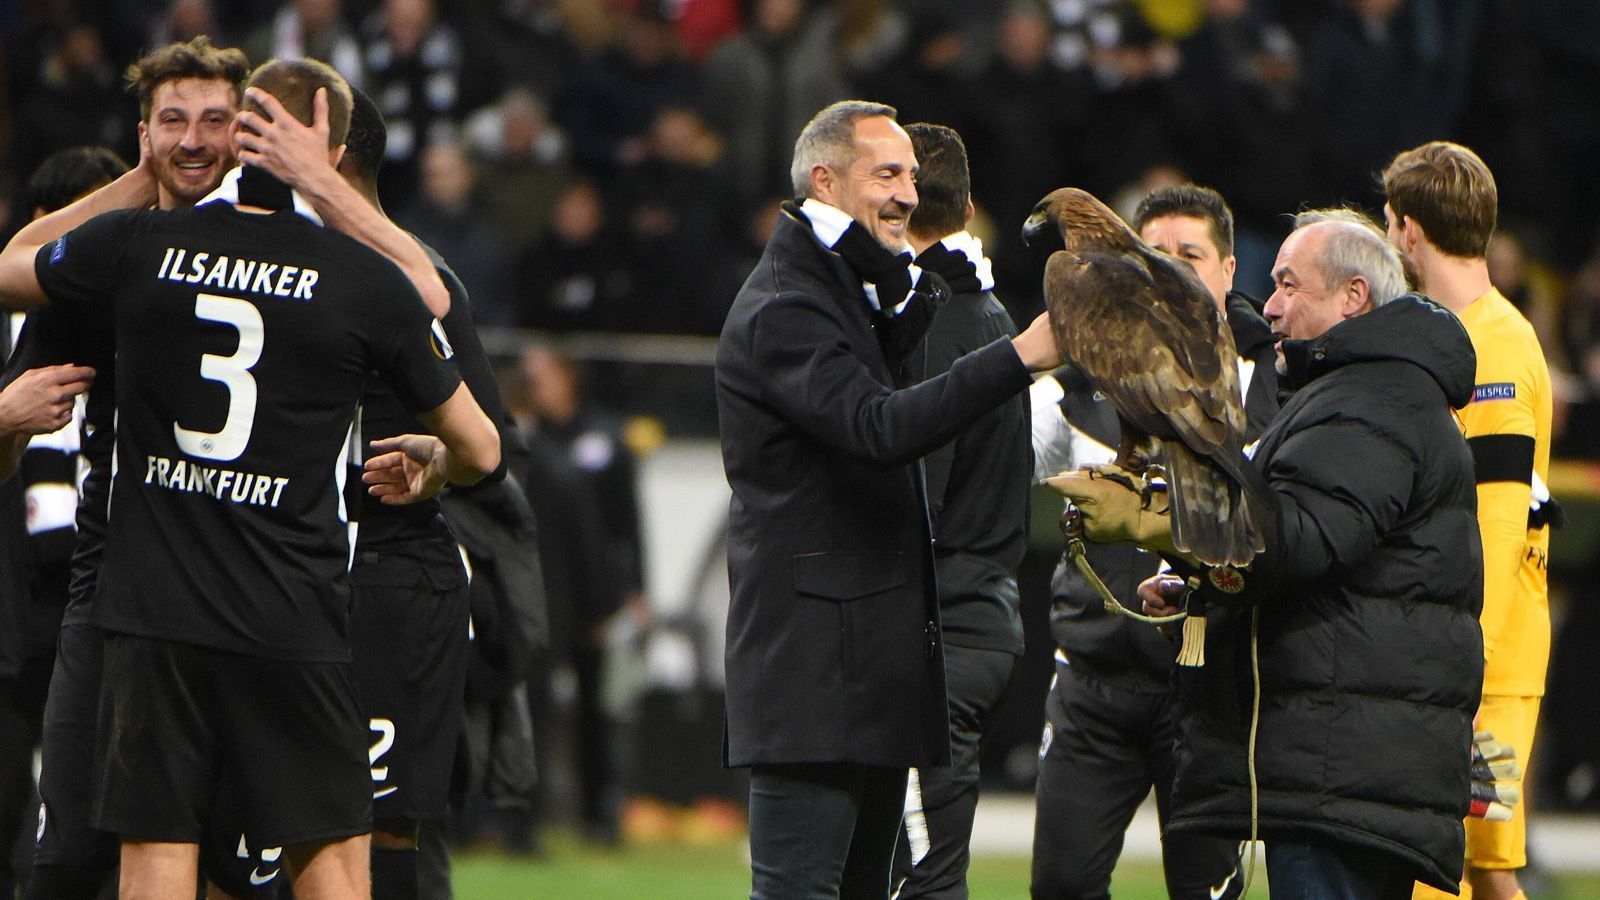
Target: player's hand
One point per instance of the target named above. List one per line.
(1110, 509)
(287, 148)
(1493, 763)
(408, 468)
(40, 400)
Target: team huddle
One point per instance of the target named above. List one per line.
(259, 357)
(237, 668)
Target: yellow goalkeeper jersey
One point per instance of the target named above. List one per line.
(1507, 425)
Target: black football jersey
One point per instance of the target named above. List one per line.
(383, 415)
(242, 343)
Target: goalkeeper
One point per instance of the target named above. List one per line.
(1358, 622)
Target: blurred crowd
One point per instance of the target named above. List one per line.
(616, 165)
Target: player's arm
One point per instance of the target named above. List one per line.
(19, 284)
(297, 154)
(413, 467)
(1500, 433)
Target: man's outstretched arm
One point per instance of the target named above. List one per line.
(19, 286)
(297, 155)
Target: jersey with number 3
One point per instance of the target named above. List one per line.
(242, 344)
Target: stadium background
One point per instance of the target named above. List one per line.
(603, 173)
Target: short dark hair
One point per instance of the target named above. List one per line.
(1450, 192)
(294, 83)
(368, 139)
(1192, 200)
(944, 183)
(186, 59)
(68, 174)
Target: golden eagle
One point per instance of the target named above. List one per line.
(1144, 329)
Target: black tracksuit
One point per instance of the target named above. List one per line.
(1110, 721)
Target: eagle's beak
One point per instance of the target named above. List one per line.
(1035, 223)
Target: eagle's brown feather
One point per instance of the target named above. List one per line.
(1145, 330)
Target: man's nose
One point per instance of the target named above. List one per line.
(906, 192)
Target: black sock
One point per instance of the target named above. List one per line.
(394, 874)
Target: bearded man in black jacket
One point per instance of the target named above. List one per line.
(1358, 623)
(1109, 726)
(835, 663)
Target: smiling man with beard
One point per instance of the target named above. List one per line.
(188, 94)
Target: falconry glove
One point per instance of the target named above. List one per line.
(1112, 504)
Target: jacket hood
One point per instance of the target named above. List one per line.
(1410, 328)
(1250, 332)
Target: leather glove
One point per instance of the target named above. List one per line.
(1492, 763)
(1114, 505)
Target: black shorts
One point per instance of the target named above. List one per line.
(179, 720)
(66, 782)
(409, 644)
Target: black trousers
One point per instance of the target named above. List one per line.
(1104, 748)
(823, 831)
(932, 856)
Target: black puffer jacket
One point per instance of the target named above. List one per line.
(1370, 653)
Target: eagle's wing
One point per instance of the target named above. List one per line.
(1150, 337)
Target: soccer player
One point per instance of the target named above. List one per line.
(243, 332)
(409, 628)
(1441, 209)
(188, 94)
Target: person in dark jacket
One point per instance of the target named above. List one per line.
(835, 667)
(978, 497)
(1109, 717)
(1358, 623)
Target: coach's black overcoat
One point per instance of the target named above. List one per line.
(833, 652)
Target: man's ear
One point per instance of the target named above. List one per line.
(335, 155)
(824, 184)
(144, 138)
(1411, 234)
(1357, 298)
(1229, 266)
(969, 212)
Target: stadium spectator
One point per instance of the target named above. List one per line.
(523, 161)
(413, 68)
(614, 99)
(314, 28)
(448, 217)
(760, 85)
(578, 277)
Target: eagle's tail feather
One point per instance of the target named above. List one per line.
(1211, 517)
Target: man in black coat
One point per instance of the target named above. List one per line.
(1110, 720)
(835, 664)
(978, 488)
(1361, 614)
